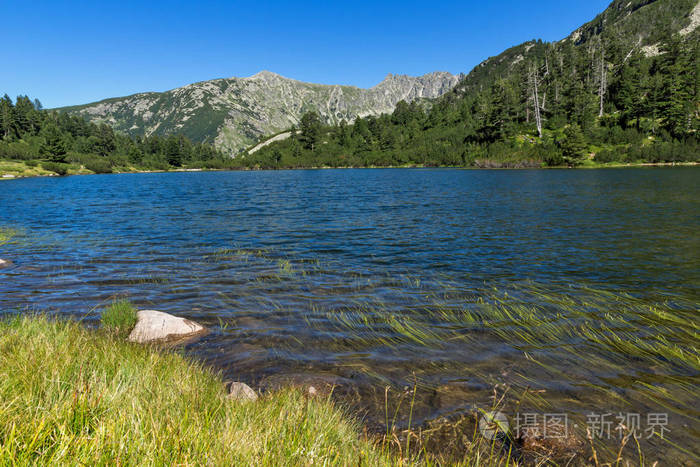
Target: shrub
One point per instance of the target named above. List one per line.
(607, 155)
(99, 166)
(19, 150)
(220, 163)
(31, 163)
(79, 157)
(154, 163)
(117, 160)
(119, 317)
(553, 158)
(56, 167)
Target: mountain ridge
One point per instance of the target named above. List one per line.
(235, 112)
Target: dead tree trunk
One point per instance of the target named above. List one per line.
(602, 89)
(536, 99)
(544, 102)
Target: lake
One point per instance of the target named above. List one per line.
(563, 291)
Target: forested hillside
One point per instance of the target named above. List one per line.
(62, 143)
(622, 88)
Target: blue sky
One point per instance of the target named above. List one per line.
(67, 52)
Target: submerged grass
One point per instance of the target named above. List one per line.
(606, 350)
(73, 396)
(614, 351)
(6, 235)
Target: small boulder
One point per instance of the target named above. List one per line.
(241, 392)
(5, 263)
(156, 326)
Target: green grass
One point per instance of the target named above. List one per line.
(21, 169)
(119, 317)
(73, 396)
(34, 169)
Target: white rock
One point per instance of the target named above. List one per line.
(154, 326)
(241, 392)
(4, 263)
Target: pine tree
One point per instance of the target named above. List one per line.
(573, 147)
(310, 129)
(172, 151)
(53, 146)
(7, 118)
(24, 116)
(106, 142)
(679, 68)
(630, 91)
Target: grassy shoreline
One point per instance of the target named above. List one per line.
(73, 395)
(12, 170)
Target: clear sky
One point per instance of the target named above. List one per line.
(69, 52)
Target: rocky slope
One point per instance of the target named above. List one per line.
(236, 112)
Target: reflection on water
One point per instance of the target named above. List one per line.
(532, 282)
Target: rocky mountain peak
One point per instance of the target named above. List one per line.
(235, 112)
(266, 75)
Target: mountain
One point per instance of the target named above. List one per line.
(235, 112)
(625, 24)
(622, 88)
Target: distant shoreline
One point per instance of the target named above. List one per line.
(16, 176)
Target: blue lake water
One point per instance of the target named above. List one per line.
(354, 276)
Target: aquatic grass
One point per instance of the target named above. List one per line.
(608, 349)
(7, 234)
(119, 317)
(285, 267)
(600, 334)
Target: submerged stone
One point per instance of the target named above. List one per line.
(5, 263)
(345, 390)
(313, 384)
(459, 394)
(241, 392)
(156, 326)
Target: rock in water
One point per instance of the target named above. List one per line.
(5, 263)
(241, 392)
(156, 326)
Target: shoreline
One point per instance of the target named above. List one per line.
(88, 395)
(442, 433)
(6, 176)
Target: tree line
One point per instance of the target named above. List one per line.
(59, 141)
(550, 104)
(556, 104)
